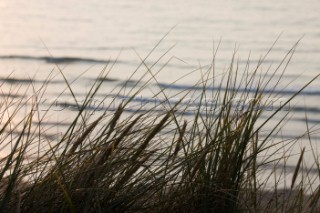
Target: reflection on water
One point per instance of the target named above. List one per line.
(82, 36)
(100, 29)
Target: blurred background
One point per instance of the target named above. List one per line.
(35, 36)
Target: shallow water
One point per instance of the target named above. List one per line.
(99, 30)
(36, 36)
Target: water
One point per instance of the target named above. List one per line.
(80, 35)
(100, 29)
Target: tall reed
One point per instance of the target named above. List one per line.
(155, 160)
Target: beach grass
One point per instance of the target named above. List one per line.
(151, 160)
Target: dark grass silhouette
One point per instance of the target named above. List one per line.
(154, 160)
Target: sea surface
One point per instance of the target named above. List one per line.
(179, 37)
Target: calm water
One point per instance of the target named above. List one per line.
(100, 29)
(86, 34)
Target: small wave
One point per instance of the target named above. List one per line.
(129, 83)
(17, 80)
(289, 168)
(149, 101)
(28, 81)
(265, 91)
(55, 60)
(102, 79)
(185, 108)
(107, 79)
(51, 123)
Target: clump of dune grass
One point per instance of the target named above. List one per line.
(152, 160)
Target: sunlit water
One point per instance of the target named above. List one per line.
(81, 35)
